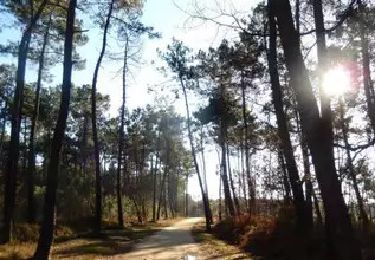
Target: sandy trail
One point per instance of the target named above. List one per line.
(174, 242)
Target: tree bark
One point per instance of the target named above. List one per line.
(224, 171)
(186, 195)
(287, 197)
(340, 232)
(120, 216)
(319, 216)
(246, 148)
(34, 122)
(308, 182)
(204, 171)
(46, 229)
(98, 178)
(163, 191)
(307, 172)
(206, 204)
(161, 194)
(245, 190)
(153, 174)
(282, 128)
(325, 102)
(235, 198)
(220, 217)
(11, 172)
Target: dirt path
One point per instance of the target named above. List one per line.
(175, 242)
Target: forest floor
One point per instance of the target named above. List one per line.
(177, 239)
(212, 247)
(185, 240)
(174, 242)
(88, 246)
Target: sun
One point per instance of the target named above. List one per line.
(336, 81)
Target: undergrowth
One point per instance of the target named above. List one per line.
(271, 237)
(276, 237)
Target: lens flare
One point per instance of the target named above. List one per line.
(336, 81)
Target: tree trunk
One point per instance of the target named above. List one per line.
(308, 182)
(34, 122)
(352, 174)
(220, 217)
(244, 178)
(287, 197)
(307, 176)
(340, 232)
(165, 201)
(187, 195)
(153, 174)
(224, 173)
(120, 216)
(317, 209)
(246, 147)
(206, 204)
(11, 171)
(84, 143)
(282, 129)
(235, 199)
(204, 171)
(325, 103)
(162, 189)
(98, 178)
(46, 229)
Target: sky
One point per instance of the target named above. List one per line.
(170, 18)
